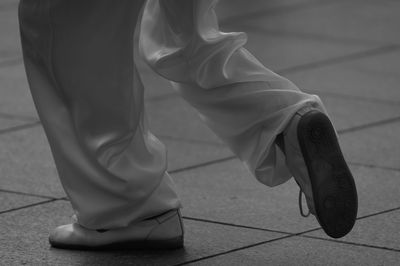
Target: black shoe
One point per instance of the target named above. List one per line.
(314, 158)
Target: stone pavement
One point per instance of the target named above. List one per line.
(346, 51)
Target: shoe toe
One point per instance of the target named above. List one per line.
(65, 235)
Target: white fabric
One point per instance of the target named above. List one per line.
(243, 102)
(79, 62)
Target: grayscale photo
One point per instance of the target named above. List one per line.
(199, 132)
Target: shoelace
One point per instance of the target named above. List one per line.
(301, 205)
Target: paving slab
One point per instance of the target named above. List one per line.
(275, 51)
(175, 118)
(31, 227)
(282, 51)
(10, 46)
(347, 112)
(10, 201)
(183, 154)
(376, 146)
(372, 78)
(300, 251)
(9, 123)
(381, 230)
(15, 95)
(27, 165)
(231, 9)
(156, 87)
(364, 20)
(226, 192)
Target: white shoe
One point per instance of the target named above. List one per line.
(161, 232)
(314, 158)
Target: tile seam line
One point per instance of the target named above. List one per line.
(237, 225)
(300, 234)
(293, 69)
(341, 131)
(360, 99)
(285, 237)
(382, 122)
(340, 59)
(314, 36)
(283, 232)
(22, 118)
(288, 235)
(278, 10)
(351, 243)
(26, 194)
(235, 250)
(369, 125)
(380, 167)
(28, 206)
(221, 160)
(20, 127)
(195, 166)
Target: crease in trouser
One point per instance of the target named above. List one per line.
(79, 62)
(243, 102)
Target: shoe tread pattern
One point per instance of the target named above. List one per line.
(334, 190)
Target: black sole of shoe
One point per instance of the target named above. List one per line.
(167, 244)
(334, 190)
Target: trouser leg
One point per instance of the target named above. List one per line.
(243, 102)
(79, 61)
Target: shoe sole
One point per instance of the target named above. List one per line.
(173, 243)
(334, 190)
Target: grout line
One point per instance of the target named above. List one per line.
(191, 167)
(26, 194)
(353, 97)
(236, 225)
(375, 166)
(234, 250)
(258, 29)
(28, 206)
(21, 127)
(369, 125)
(340, 59)
(195, 166)
(351, 243)
(24, 118)
(288, 235)
(278, 10)
(378, 213)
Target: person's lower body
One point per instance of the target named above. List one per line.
(274, 128)
(80, 65)
(79, 61)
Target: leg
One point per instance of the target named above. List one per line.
(80, 66)
(244, 103)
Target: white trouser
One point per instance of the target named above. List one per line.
(79, 59)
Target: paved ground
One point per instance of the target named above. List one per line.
(346, 51)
